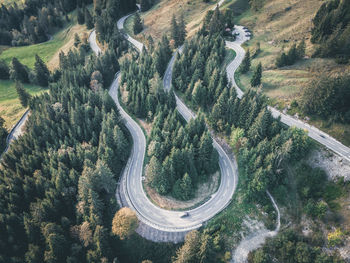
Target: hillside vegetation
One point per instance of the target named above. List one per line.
(276, 27)
(48, 51)
(158, 19)
(10, 2)
(10, 107)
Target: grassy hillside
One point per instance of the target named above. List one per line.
(276, 27)
(10, 2)
(157, 19)
(48, 51)
(10, 107)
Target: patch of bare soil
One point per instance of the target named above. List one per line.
(203, 192)
(334, 165)
(124, 94)
(147, 126)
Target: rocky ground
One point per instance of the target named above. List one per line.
(334, 165)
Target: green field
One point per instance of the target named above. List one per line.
(10, 107)
(48, 51)
(26, 54)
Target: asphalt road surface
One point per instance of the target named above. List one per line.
(131, 182)
(93, 43)
(120, 25)
(16, 131)
(314, 133)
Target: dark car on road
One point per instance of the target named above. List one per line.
(186, 214)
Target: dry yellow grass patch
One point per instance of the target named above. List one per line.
(11, 111)
(279, 24)
(281, 19)
(68, 36)
(157, 20)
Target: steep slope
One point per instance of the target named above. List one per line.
(275, 28)
(157, 19)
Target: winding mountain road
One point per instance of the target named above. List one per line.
(16, 131)
(93, 43)
(131, 188)
(314, 133)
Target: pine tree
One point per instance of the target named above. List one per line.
(256, 78)
(88, 19)
(171, 99)
(152, 169)
(23, 95)
(206, 251)
(205, 153)
(186, 187)
(19, 72)
(175, 31)
(189, 250)
(3, 134)
(245, 66)
(4, 70)
(81, 17)
(138, 26)
(182, 29)
(98, 7)
(166, 51)
(216, 24)
(100, 29)
(76, 40)
(145, 5)
(292, 55)
(282, 60)
(197, 93)
(42, 73)
(301, 49)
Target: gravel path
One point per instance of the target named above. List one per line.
(255, 239)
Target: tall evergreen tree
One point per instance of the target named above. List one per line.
(88, 19)
(182, 29)
(80, 16)
(256, 78)
(3, 134)
(301, 49)
(245, 66)
(23, 95)
(4, 70)
(42, 73)
(174, 29)
(145, 5)
(76, 40)
(19, 71)
(138, 26)
(216, 24)
(186, 187)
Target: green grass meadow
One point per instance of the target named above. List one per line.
(10, 108)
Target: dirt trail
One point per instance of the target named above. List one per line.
(256, 238)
